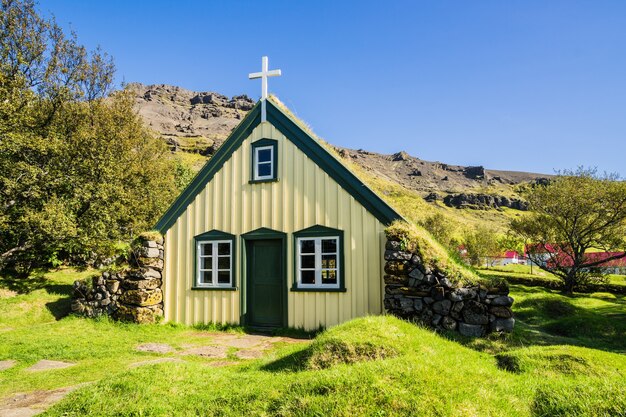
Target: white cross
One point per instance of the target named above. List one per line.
(263, 75)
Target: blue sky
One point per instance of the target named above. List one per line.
(519, 85)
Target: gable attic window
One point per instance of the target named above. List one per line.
(318, 260)
(264, 160)
(215, 261)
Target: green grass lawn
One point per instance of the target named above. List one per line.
(525, 274)
(566, 357)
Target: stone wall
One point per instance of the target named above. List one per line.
(414, 291)
(131, 294)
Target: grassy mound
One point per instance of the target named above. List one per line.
(551, 361)
(356, 341)
(417, 240)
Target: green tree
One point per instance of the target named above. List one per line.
(575, 212)
(78, 170)
(481, 243)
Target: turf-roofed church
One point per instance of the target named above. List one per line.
(274, 231)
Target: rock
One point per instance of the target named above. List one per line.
(44, 365)
(150, 273)
(155, 263)
(475, 313)
(430, 279)
(501, 311)
(105, 302)
(463, 293)
(148, 252)
(455, 296)
(144, 284)
(401, 156)
(445, 282)
(457, 307)
(138, 314)
(415, 260)
(429, 300)
(392, 245)
(417, 274)
(396, 280)
(438, 293)
(503, 325)
(418, 304)
(6, 364)
(436, 319)
(395, 267)
(149, 244)
(393, 255)
(471, 330)
(406, 303)
(442, 307)
(448, 323)
(113, 285)
(142, 297)
(502, 301)
(155, 348)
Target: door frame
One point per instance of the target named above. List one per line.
(262, 233)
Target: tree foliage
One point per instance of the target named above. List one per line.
(78, 170)
(481, 243)
(574, 213)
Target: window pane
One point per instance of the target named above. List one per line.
(205, 249)
(264, 155)
(223, 248)
(307, 277)
(206, 263)
(329, 245)
(329, 277)
(205, 277)
(329, 261)
(265, 169)
(307, 261)
(223, 262)
(223, 277)
(307, 246)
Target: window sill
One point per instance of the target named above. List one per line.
(215, 288)
(296, 289)
(262, 181)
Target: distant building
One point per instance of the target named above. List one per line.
(548, 255)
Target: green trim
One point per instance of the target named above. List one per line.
(224, 152)
(331, 165)
(258, 144)
(216, 235)
(290, 128)
(314, 232)
(295, 289)
(214, 288)
(262, 233)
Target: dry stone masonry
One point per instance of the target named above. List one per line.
(132, 294)
(414, 291)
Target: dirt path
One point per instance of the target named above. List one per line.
(33, 403)
(245, 346)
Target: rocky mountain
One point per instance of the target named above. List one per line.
(190, 121)
(198, 122)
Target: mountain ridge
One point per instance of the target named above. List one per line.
(199, 122)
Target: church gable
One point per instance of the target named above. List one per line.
(264, 164)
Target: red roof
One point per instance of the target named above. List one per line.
(565, 260)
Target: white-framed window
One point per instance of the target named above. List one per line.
(214, 263)
(264, 163)
(317, 262)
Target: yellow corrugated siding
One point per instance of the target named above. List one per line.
(304, 196)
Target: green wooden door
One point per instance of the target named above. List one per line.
(265, 283)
